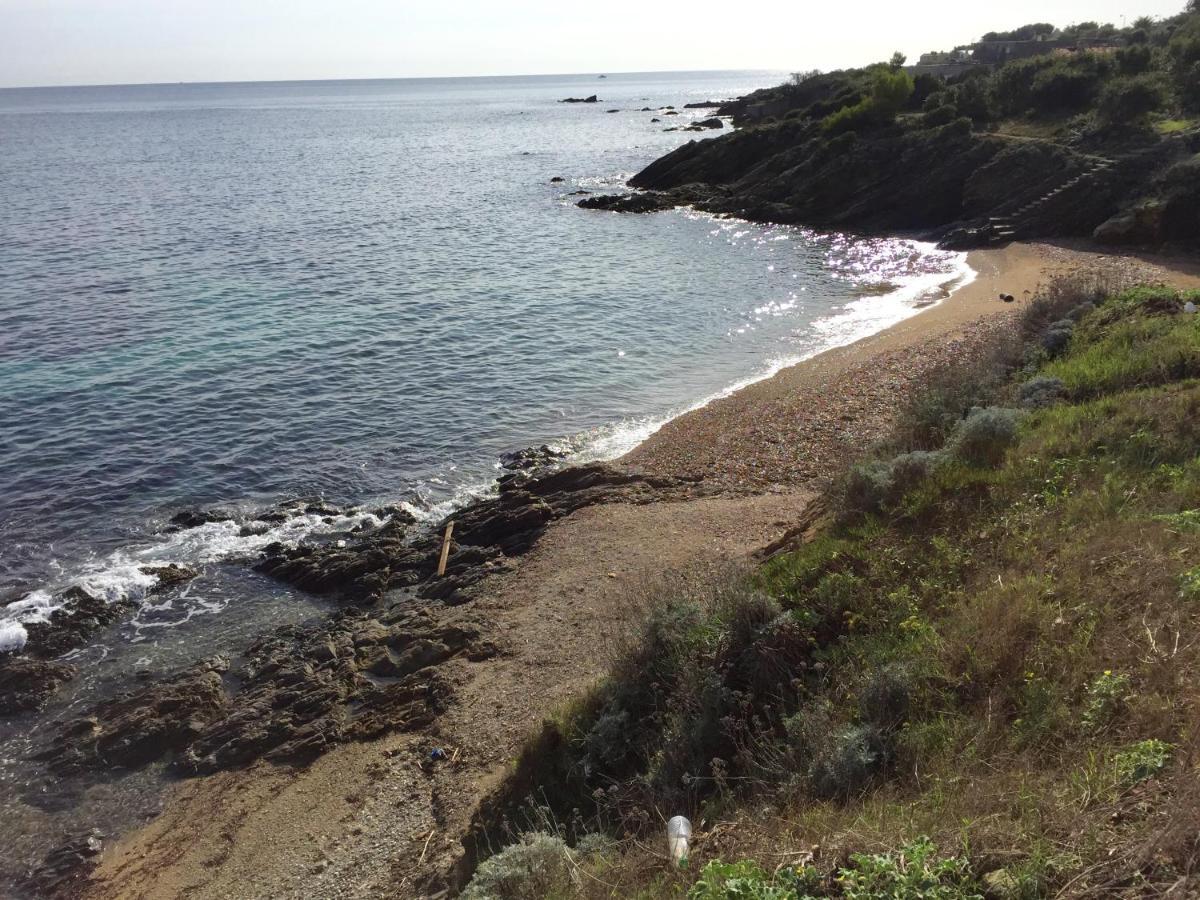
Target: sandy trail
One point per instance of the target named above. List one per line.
(375, 819)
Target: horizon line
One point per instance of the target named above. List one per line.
(597, 74)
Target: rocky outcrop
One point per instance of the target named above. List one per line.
(531, 458)
(354, 677)
(138, 727)
(705, 124)
(65, 869)
(26, 684)
(630, 203)
(79, 616)
(704, 104)
(299, 692)
(590, 99)
(485, 534)
(942, 179)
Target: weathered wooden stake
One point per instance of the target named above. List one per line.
(445, 548)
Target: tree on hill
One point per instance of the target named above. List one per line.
(1024, 33)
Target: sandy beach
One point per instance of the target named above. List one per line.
(371, 819)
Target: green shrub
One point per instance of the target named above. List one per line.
(984, 437)
(890, 93)
(1142, 760)
(1135, 59)
(1106, 695)
(1064, 88)
(877, 486)
(911, 873)
(1130, 100)
(537, 867)
(849, 762)
(745, 880)
(1041, 391)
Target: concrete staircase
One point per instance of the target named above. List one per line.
(1010, 225)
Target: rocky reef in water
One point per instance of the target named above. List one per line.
(372, 666)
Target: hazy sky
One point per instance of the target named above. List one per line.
(128, 41)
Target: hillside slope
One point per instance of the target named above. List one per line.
(975, 675)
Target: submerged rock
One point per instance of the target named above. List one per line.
(79, 616)
(589, 99)
(138, 727)
(706, 124)
(26, 684)
(64, 869)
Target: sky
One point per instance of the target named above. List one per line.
(56, 42)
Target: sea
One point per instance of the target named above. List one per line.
(358, 292)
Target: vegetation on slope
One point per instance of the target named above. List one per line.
(1103, 136)
(975, 675)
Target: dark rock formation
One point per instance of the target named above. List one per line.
(71, 626)
(557, 179)
(531, 458)
(704, 104)
(591, 99)
(705, 124)
(301, 691)
(612, 110)
(193, 518)
(138, 727)
(354, 677)
(634, 203)
(168, 576)
(484, 534)
(26, 684)
(64, 869)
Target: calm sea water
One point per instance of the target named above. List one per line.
(363, 291)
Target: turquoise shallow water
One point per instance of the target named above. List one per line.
(361, 291)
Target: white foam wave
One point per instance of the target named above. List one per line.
(123, 575)
(12, 637)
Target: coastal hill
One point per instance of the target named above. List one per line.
(1087, 131)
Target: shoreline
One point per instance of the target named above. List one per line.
(373, 816)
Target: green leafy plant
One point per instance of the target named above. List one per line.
(1107, 693)
(745, 880)
(912, 873)
(1142, 760)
